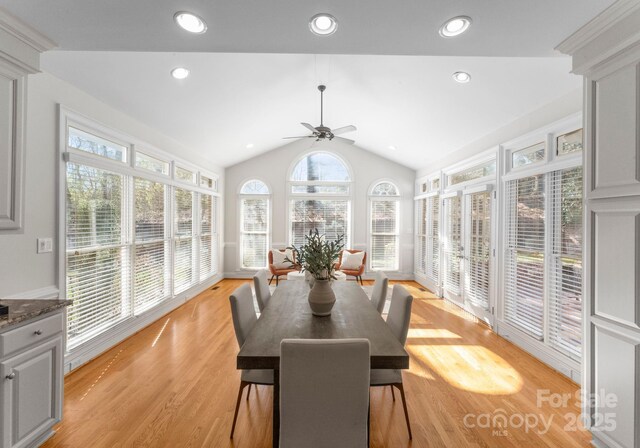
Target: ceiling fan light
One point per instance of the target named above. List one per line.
(323, 24)
(455, 26)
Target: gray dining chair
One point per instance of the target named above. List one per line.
(379, 293)
(244, 318)
(398, 322)
(324, 393)
(261, 285)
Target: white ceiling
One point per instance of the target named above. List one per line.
(231, 100)
(410, 27)
(254, 73)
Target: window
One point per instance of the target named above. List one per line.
(183, 275)
(526, 156)
(427, 231)
(482, 170)
(569, 143)
(97, 256)
(151, 267)
(319, 198)
(384, 230)
(123, 246)
(541, 208)
(254, 224)
(151, 163)
(208, 182)
(185, 175)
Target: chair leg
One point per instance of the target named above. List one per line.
(271, 279)
(248, 391)
(393, 394)
(277, 278)
(404, 405)
(235, 415)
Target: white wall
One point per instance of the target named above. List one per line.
(549, 113)
(22, 270)
(272, 168)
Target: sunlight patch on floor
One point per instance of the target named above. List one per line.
(431, 333)
(470, 367)
(101, 375)
(160, 333)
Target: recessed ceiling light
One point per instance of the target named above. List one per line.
(392, 148)
(462, 77)
(249, 145)
(180, 72)
(190, 22)
(323, 24)
(455, 27)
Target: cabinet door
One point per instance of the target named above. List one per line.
(31, 393)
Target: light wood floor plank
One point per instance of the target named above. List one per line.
(174, 384)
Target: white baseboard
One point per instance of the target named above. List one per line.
(95, 347)
(425, 282)
(600, 439)
(48, 292)
(547, 355)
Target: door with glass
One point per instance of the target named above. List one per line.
(452, 249)
(477, 254)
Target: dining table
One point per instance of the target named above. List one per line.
(288, 316)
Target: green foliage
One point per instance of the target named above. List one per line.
(318, 256)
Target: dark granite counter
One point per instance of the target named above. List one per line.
(23, 310)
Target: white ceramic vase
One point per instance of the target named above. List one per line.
(321, 298)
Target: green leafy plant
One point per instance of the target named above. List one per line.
(318, 256)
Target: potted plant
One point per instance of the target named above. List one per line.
(317, 257)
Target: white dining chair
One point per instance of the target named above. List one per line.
(398, 322)
(324, 393)
(379, 293)
(244, 318)
(261, 285)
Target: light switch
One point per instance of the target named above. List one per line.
(45, 245)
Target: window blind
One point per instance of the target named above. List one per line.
(384, 234)
(98, 268)
(330, 217)
(479, 234)
(451, 246)
(151, 274)
(421, 234)
(524, 258)
(254, 232)
(206, 239)
(432, 262)
(183, 275)
(565, 282)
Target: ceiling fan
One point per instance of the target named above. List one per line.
(323, 132)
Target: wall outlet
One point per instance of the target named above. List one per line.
(45, 245)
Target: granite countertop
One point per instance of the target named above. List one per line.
(23, 310)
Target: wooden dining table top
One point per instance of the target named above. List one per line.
(288, 315)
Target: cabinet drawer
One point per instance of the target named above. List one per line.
(31, 333)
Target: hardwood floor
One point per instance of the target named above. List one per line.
(174, 384)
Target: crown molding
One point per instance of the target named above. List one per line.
(25, 33)
(597, 26)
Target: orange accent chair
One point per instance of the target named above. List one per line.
(277, 272)
(357, 273)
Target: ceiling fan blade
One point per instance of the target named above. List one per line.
(308, 126)
(345, 140)
(302, 136)
(344, 129)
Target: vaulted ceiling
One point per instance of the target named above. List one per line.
(254, 73)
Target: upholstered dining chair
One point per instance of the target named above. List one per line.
(244, 318)
(261, 286)
(398, 321)
(379, 293)
(355, 271)
(277, 271)
(324, 393)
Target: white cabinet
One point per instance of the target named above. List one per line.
(31, 377)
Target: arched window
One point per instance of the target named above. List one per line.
(320, 197)
(254, 224)
(384, 227)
